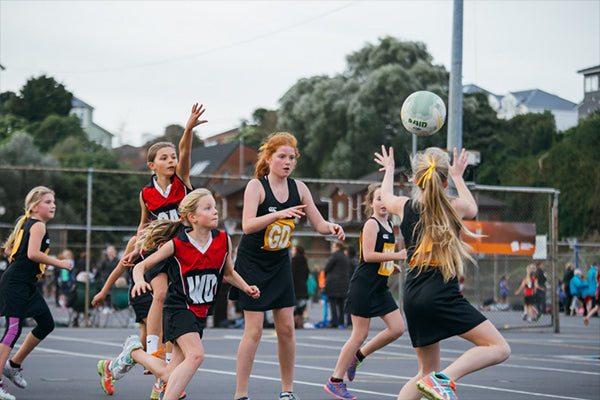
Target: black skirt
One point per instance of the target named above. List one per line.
(436, 310)
(272, 275)
(21, 300)
(369, 295)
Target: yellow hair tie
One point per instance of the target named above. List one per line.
(429, 173)
(261, 148)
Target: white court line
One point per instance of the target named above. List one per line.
(311, 367)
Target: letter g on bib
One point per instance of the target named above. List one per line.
(277, 235)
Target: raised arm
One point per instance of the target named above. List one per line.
(253, 196)
(394, 204)
(185, 144)
(464, 204)
(314, 216)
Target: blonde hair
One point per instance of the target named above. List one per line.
(155, 148)
(161, 231)
(370, 196)
(439, 226)
(269, 147)
(33, 198)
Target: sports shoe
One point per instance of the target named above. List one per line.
(243, 398)
(338, 390)
(351, 371)
(437, 386)
(123, 363)
(157, 389)
(160, 353)
(15, 375)
(288, 396)
(4, 395)
(106, 379)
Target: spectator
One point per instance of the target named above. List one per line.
(300, 275)
(504, 289)
(569, 268)
(3, 261)
(593, 282)
(65, 278)
(106, 265)
(580, 290)
(540, 293)
(337, 279)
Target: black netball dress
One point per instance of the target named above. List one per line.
(434, 310)
(19, 295)
(263, 257)
(162, 206)
(369, 295)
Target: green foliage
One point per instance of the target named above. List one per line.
(572, 167)
(9, 124)
(55, 128)
(264, 122)
(41, 97)
(341, 121)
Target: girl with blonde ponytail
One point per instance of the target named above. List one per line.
(20, 298)
(434, 307)
(202, 255)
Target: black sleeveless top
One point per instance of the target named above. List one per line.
(263, 257)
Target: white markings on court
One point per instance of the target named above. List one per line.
(299, 366)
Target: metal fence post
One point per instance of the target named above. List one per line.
(88, 245)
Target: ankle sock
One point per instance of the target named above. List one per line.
(360, 355)
(14, 364)
(335, 380)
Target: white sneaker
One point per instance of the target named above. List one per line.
(4, 395)
(15, 375)
(123, 363)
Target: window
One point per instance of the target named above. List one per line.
(341, 210)
(591, 83)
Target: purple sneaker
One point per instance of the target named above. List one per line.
(351, 372)
(338, 390)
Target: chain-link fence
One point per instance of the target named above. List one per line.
(103, 209)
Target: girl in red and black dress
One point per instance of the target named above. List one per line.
(202, 258)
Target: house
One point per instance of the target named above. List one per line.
(222, 137)
(95, 132)
(531, 101)
(591, 91)
(134, 157)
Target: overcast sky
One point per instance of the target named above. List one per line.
(142, 64)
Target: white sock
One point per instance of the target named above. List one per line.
(151, 344)
(168, 357)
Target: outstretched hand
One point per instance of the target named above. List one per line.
(459, 164)
(194, 121)
(292, 212)
(385, 159)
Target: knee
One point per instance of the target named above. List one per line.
(285, 331)
(159, 293)
(503, 351)
(196, 358)
(253, 334)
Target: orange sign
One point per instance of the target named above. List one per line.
(501, 237)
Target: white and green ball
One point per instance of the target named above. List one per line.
(423, 113)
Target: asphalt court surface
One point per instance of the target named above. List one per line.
(543, 365)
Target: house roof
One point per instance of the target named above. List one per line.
(207, 160)
(471, 88)
(219, 137)
(590, 70)
(537, 98)
(77, 102)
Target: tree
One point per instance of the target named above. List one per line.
(264, 122)
(55, 128)
(571, 166)
(173, 134)
(41, 97)
(341, 120)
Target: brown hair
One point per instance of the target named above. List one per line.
(369, 199)
(32, 199)
(161, 231)
(439, 226)
(155, 148)
(269, 147)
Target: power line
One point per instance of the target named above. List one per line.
(201, 53)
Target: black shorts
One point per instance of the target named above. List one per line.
(530, 300)
(141, 306)
(179, 321)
